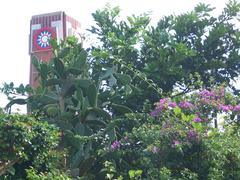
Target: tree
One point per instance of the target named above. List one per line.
(68, 97)
(194, 42)
(179, 52)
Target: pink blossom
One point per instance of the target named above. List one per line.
(206, 94)
(115, 145)
(161, 105)
(154, 113)
(163, 101)
(225, 108)
(197, 119)
(192, 134)
(237, 108)
(175, 143)
(185, 105)
(222, 92)
(172, 104)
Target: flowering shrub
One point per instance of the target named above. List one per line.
(178, 139)
(204, 105)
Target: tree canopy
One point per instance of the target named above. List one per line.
(178, 52)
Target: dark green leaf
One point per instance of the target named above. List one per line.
(16, 101)
(120, 108)
(74, 71)
(78, 156)
(82, 83)
(86, 165)
(81, 59)
(59, 67)
(123, 78)
(54, 43)
(53, 81)
(79, 129)
(99, 112)
(36, 63)
(96, 122)
(43, 71)
(92, 95)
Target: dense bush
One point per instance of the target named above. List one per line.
(179, 140)
(53, 175)
(26, 142)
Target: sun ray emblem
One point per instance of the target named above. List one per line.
(42, 38)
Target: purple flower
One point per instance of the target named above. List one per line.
(185, 105)
(175, 143)
(154, 113)
(197, 119)
(206, 94)
(161, 105)
(115, 145)
(172, 104)
(191, 134)
(225, 108)
(222, 92)
(163, 101)
(237, 108)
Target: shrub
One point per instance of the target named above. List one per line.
(179, 141)
(53, 175)
(25, 142)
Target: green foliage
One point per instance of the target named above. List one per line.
(186, 51)
(193, 42)
(135, 174)
(223, 154)
(53, 175)
(69, 98)
(26, 142)
(179, 141)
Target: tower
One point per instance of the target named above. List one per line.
(56, 25)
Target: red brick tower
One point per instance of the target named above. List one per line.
(43, 27)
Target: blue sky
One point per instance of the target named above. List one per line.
(15, 20)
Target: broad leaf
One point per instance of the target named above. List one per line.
(81, 59)
(100, 112)
(82, 83)
(59, 67)
(86, 165)
(16, 101)
(123, 78)
(92, 95)
(43, 71)
(74, 71)
(53, 82)
(120, 108)
(96, 122)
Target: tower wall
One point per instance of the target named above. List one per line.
(56, 25)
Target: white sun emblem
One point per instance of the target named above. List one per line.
(43, 39)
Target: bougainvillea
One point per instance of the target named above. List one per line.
(179, 136)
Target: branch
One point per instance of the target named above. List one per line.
(5, 166)
(186, 90)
